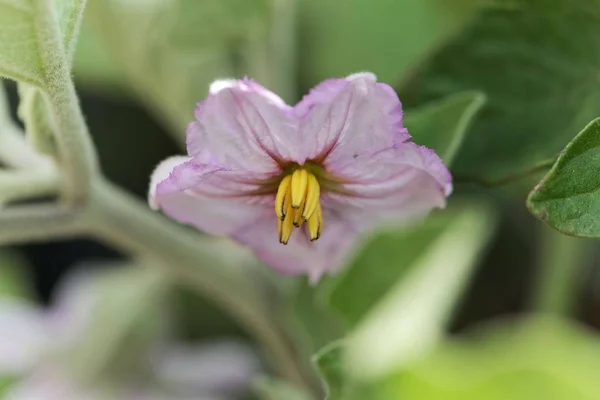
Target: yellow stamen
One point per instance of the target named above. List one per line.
(296, 202)
(283, 197)
(298, 215)
(315, 223)
(299, 183)
(312, 197)
(286, 226)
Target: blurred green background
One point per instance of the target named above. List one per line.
(498, 88)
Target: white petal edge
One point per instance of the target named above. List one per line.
(160, 173)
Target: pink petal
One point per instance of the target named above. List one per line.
(50, 384)
(399, 184)
(346, 118)
(74, 301)
(209, 198)
(242, 125)
(300, 255)
(208, 368)
(23, 340)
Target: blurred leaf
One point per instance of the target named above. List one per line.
(19, 58)
(329, 363)
(386, 258)
(442, 125)
(320, 323)
(568, 198)
(535, 60)
(93, 67)
(541, 359)
(410, 318)
(127, 309)
(170, 51)
(387, 37)
(14, 276)
(5, 384)
(272, 389)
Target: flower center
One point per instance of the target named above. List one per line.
(296, 202)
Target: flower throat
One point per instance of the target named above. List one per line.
(297, 202)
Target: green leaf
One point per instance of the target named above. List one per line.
(535, 359)
(169, 52)
(320, 323)
(536, 61)
(5, 384)
(14, 279)
(387, 37)
(386, 258)
(272, 389)
(19, 57)
(567, 198)
(329, 362)
(70, 14)
(21, 37)
(442, 125)
(412, 315)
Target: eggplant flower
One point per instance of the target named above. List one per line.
(299, 184)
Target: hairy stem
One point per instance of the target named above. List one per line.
(27, 184)
(561, 267)
(38, 223)
(77, 156)
(130, 225)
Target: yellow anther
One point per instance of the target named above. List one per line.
(297, 202)
(299, 183)
(285, 227)
(315, 223)
(283, 198)
(298, 215)
(313, 192)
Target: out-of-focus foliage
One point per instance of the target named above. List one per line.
(442, 125)
(536, 359)
(168, 51)
(534, 59)
(387, 37)
(498, 87)
(14, 278)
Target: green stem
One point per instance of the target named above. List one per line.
(28, 184)
(561, 267)
(77, 156)
(491, 183)
(130, 225)
(38, 223)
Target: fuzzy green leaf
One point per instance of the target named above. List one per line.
(568, 198)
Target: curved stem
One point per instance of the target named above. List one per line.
(27, 184)
(38, 223)
(130, 225)
(490, 183)
(77, 156)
